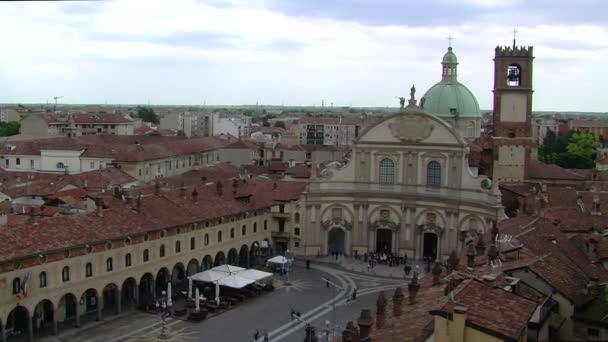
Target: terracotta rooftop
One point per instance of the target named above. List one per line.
(156, 211)
(124, 148)
(540, 170)
(493, 310)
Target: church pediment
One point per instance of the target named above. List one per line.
(384, 224)
(411, 128)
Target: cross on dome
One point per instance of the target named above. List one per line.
(450, 38)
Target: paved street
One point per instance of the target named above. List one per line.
(306, 293)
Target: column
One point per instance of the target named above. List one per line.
(136, 295)
(118, 301)
(366, 228)
(77, 315)
(2, 332)
(55, 329)
(356, 232)
(99, 308)
(153, 289)
(30, 329)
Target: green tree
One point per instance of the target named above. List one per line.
(580, 152)
(9, 128)
(147, 114)
(279, 124)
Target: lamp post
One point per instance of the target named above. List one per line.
(164, 310)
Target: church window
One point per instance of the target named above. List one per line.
(146, 255)
(296, 231)
(433, 174)
(178, 246)
(206, 239)
(162, 251)
(255, 227)
(109, 265)
(244, 230)
(192, 243)
(265, 224)
(219, 236)
(60, 165)
(514, 75)
(88, 270)
(296, 218)
(232, 233)
(387, 171)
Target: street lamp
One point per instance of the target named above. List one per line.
(163, 307)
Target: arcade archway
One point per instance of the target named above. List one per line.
(244, 256)
(384, 240)
(220, 259)
(43, 318)
(233, 257)
(128, 294)
(429, 245)
(147, 291)
(192, 267)
(19, 323)
(207, 263)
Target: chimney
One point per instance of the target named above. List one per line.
(365, 323)
(85, 185)
(156, 187)
(182, 190)
(595, 206)
(459, 318)
(138, 204)
(195, 195)
(3, 219)
(99, 204)
(219, 188)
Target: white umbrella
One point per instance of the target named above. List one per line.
(217, 292)
(254, 274)
(196, 301)
(189, 287)
(279, 259)
(169, 301)
(228, 269)
(235, 281)
(209, 276)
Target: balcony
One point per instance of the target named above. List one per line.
(280, 235)
(280, 215)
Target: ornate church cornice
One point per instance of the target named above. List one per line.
(384, 224)
(336, 222)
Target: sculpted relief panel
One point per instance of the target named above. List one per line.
(411, 128)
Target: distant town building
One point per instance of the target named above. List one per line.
(192, 124)
(316, 130)
(9, 114)
(77, 124)
(237, 126)
(596, 127)
(542, 126)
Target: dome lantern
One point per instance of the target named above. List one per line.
(450, 66)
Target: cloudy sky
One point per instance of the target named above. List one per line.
(294, 52)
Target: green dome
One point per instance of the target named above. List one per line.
(450, 57)
(450, 97)
(444, 97)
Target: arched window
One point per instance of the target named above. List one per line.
(514, 75)
(265, 224)
(244, 230)
(219, 236)
(16, 286)
(255, 227)
(128, 260)
(88, 270)
(387, 171)
(192, 243)
(161, 253)
(232, 233)
(296, 231)
(146, 255)
(296, 218)
(60, 165)
(178, 246)
(109, 265)
(65, 274)
(206, 240)
(42, 279)
(433, 174)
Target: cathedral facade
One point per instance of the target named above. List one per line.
(407, 188)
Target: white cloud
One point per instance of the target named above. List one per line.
(54, 46)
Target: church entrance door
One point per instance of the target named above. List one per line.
(335, 241)
(429, 245)
(384, 240)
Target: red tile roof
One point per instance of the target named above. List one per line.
(540, 170)
(496, 311)
(157, 211)
(89, 118)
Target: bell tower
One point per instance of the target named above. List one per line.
(512, 135)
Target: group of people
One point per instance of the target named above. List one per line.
(387, 258)
(257, 336)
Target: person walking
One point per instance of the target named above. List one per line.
(266, 339)
(256, 335)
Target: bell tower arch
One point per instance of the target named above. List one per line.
(512, 111)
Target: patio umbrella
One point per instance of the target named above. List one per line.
(196, 301)
(235, 281)
(227, 269)
(279, 259)
(209, 276)
(169, 301)
(217, 292)
(254, 274)
(189, 287)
